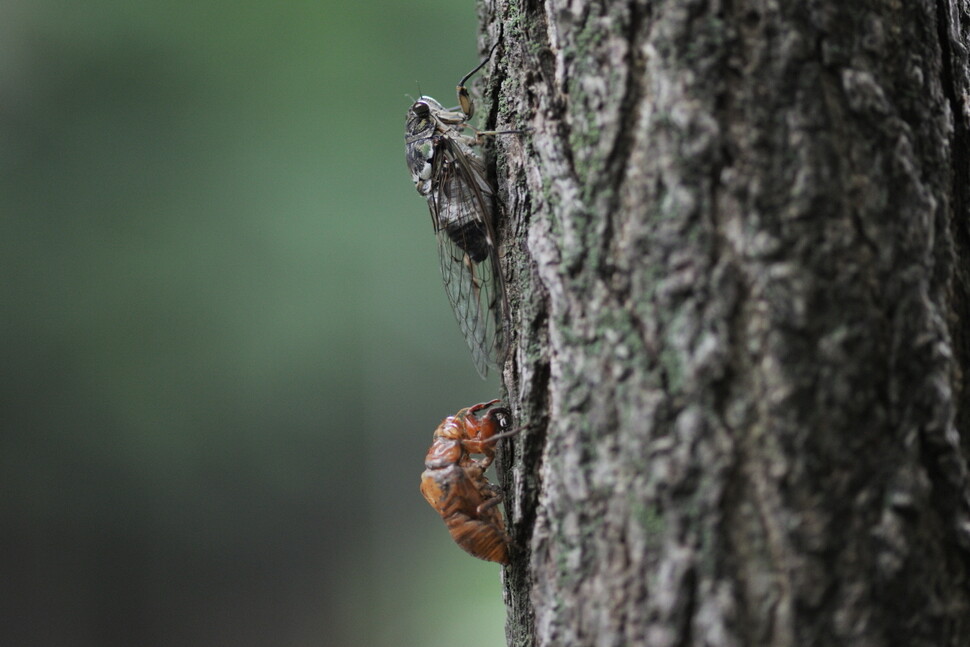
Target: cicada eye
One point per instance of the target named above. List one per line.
(421, 110)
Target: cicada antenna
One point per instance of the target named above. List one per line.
(503, 435)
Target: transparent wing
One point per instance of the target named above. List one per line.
(461, 203)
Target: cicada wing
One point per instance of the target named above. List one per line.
(462, 204)
(471, 290)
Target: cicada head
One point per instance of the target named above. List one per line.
(419, 131)
(420, 121)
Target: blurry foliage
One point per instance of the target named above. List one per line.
(226, 344)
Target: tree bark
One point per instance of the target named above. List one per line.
(736, 242)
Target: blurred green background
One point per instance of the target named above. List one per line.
(225, 340)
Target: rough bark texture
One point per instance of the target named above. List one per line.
(737, 243)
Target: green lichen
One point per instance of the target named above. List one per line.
(673, 368)
(652, 523)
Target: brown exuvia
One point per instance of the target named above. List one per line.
(455, 485)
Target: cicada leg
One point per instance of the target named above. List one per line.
(464, 99)
(481, 405)
(489, 504)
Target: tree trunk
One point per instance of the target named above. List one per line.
(736, 242)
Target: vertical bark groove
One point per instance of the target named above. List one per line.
(953, 26)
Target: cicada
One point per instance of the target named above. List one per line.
(452, 176)
(454, 483)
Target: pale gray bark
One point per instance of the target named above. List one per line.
(737, 244)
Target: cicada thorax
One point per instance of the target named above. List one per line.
(444, 452)
(474, 434)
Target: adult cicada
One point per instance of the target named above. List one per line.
(452, 176)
